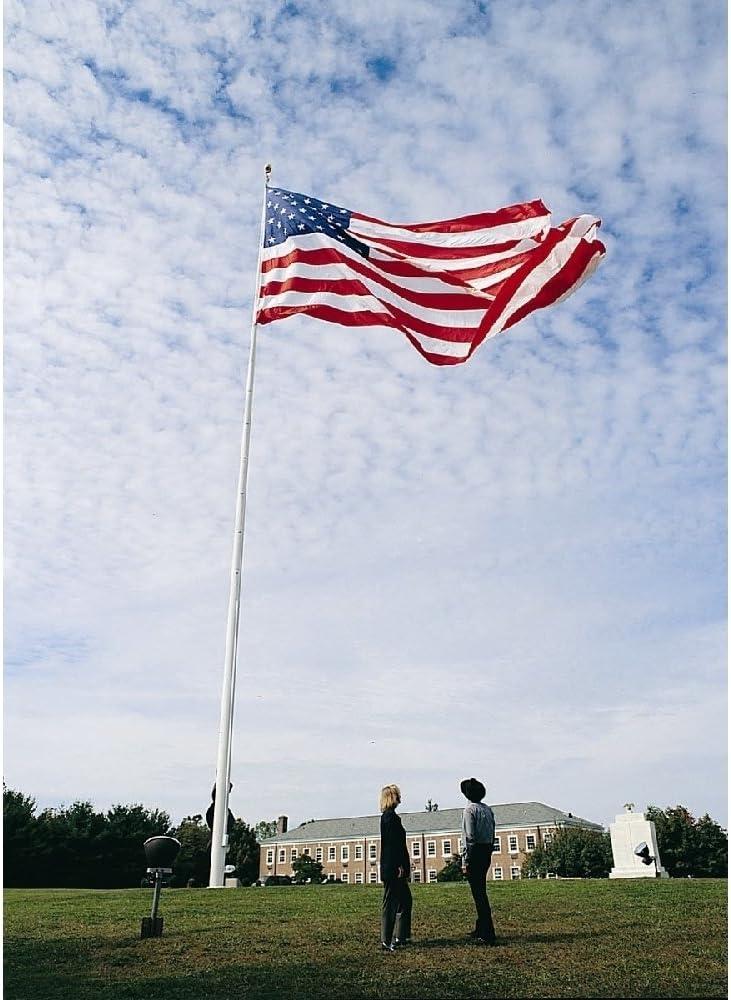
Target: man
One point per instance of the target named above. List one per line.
(478, 836)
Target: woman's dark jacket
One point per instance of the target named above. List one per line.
(393, 846)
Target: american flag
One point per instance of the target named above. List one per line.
(446, 285)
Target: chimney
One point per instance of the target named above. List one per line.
(282, 824)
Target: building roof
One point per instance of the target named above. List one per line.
(508, 815)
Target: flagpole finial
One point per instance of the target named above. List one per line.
(267, 172)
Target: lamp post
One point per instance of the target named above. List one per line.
(160, 853)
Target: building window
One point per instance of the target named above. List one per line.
(373, 876)
(530, 842)
(345, 852)
(270, 855)
(282, 855)
(496, 846)
(293, 854)
(431, 875)
(497, 874)
(417, 876)
(446, 848)
(515, 873)
(318, 854)
(547, 838)
(513, 843)
(358, 852)
(345, 877)
(460, 846)
(372, 849)
(331, 852)
(415, 848)
(359, 878)
(306, 850)
(431, 848)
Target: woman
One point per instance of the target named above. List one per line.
(395, 871)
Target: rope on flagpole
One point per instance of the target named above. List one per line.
(219, 835)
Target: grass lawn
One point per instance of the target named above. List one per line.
(556, 939)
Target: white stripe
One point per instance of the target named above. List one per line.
(346, 303)
(448, 348)
(536, 280)
(460, 319)
(526, 228)
(426, 284)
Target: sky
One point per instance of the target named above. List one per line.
(514, 568)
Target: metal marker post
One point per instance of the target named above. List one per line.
(219, 837)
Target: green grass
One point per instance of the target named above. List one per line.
(557, 939)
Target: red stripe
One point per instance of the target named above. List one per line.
(349, 319)
(560, 283)
(353, 286)
(425, 250)
(464, 297)
(467, 223)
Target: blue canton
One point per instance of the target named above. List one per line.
(291, 214)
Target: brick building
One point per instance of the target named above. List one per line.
(349, 849)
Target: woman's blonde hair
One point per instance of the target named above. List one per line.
(390, 796)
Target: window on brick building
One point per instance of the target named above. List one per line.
(358, 852)
(431, 848)
(530, 842)
(373, 877)
(513, 843)
(359, 878)
(331, 852)
(416, 849)
(270, 855)
(306, 850)
(417, 876)
(432, 875)
(496, 846)
(345, 877)
(515, 873)
(345, 852)
(318, 854)
(497, 874)
(282, 855)
(372, 852)
(293, 854)
(446, 848)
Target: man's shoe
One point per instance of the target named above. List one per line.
(387, 947)
(401, 942)
(490, 942)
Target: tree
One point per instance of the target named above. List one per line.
(20, 838)
(194, 859)
(306, 869)
(573, 852)
(243, 852)
(265, 828)
(452, 871)
(689, 847)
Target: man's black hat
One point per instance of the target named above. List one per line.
(473, 789)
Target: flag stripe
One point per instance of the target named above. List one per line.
(446, 285)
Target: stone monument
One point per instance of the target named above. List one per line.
(630, 833)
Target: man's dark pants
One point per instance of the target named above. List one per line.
(396, 910)
(480, 857)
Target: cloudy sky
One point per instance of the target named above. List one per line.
(514, 568)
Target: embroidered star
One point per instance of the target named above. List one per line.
(307, 201)
(301, 226)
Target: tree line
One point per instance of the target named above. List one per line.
(78, 847)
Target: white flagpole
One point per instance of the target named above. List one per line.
(219, 836)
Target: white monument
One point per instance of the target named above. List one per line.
(630, 833)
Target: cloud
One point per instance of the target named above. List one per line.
(515, 568)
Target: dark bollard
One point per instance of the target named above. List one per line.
(160, 853)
